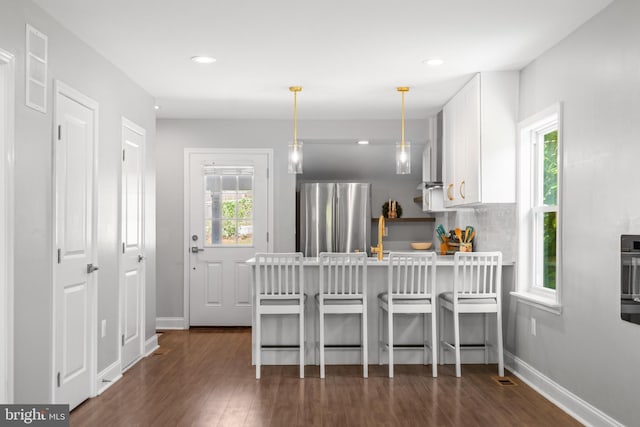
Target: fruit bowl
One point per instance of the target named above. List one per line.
(421, 246)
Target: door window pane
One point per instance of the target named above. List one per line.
(245, 232)
(228, 205)
(245, 182)
(229, 202)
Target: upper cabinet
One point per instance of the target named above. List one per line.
(479, 141)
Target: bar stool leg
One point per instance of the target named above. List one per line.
(301, 314)
(456, 331)
(486, 339)
(380, 333)
(499, 339)
(434, 343)
(390, 351)
(316, 343)
(258, 346)
(321, 343)
(441, 334)
(424, 340)
(365, 344)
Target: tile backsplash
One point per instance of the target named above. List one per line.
(495, 227)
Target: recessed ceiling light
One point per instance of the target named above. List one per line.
(433, 62)
(203, 59)
(363, 142)
(157, 107)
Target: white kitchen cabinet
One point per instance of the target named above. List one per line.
(479, 141)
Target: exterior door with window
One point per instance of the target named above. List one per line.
(228, 224)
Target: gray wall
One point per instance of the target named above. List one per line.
(76, 64)
(595, 73)
(176, 135)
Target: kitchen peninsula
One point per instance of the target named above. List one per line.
(342, 331)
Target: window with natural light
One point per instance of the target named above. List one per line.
(228, 206)
(539, 195)
(545, 206)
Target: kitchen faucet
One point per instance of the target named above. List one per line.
(379, 249)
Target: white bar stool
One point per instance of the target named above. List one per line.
(411, 282)
(279, 289)
(343, 290)
(477, 280)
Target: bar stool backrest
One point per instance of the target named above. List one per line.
(411, 275)
(279, 276)
(343, 275)
(477, 274)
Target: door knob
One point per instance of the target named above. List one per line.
(140, 258)
(91, 268)
(195, 249)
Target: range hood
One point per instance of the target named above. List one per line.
(432, 155)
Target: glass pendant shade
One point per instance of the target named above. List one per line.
(403, 158)
(295, 158)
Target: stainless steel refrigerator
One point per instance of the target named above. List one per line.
(335, 217)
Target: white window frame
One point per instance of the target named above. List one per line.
(529, 269)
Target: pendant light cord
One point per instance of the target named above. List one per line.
(402, 144)
(402, 90)
(295, 90)
(295, 119)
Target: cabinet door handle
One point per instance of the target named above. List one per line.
(449, 195)
(462, 189)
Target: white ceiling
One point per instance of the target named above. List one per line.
(349, 55)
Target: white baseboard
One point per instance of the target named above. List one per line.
(170, 323)
(572, 404)
(108, 377)
(151, 345)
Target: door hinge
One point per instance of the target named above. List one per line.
(267, 173)
(267, 237)
(123, 155)
(58, 379)
(122, 247)
(59, 255)
(123, 340)
(59, 132)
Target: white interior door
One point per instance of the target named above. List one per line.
(6, 226)
(133, 251)
(74, 277)
(228, 223)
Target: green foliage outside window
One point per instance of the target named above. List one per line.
(550, 197)
(245, 208)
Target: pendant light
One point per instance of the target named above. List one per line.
(295, 149)
(403, 149)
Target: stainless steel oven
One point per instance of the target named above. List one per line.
(630, 278)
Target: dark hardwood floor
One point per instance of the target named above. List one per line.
(204, 377)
